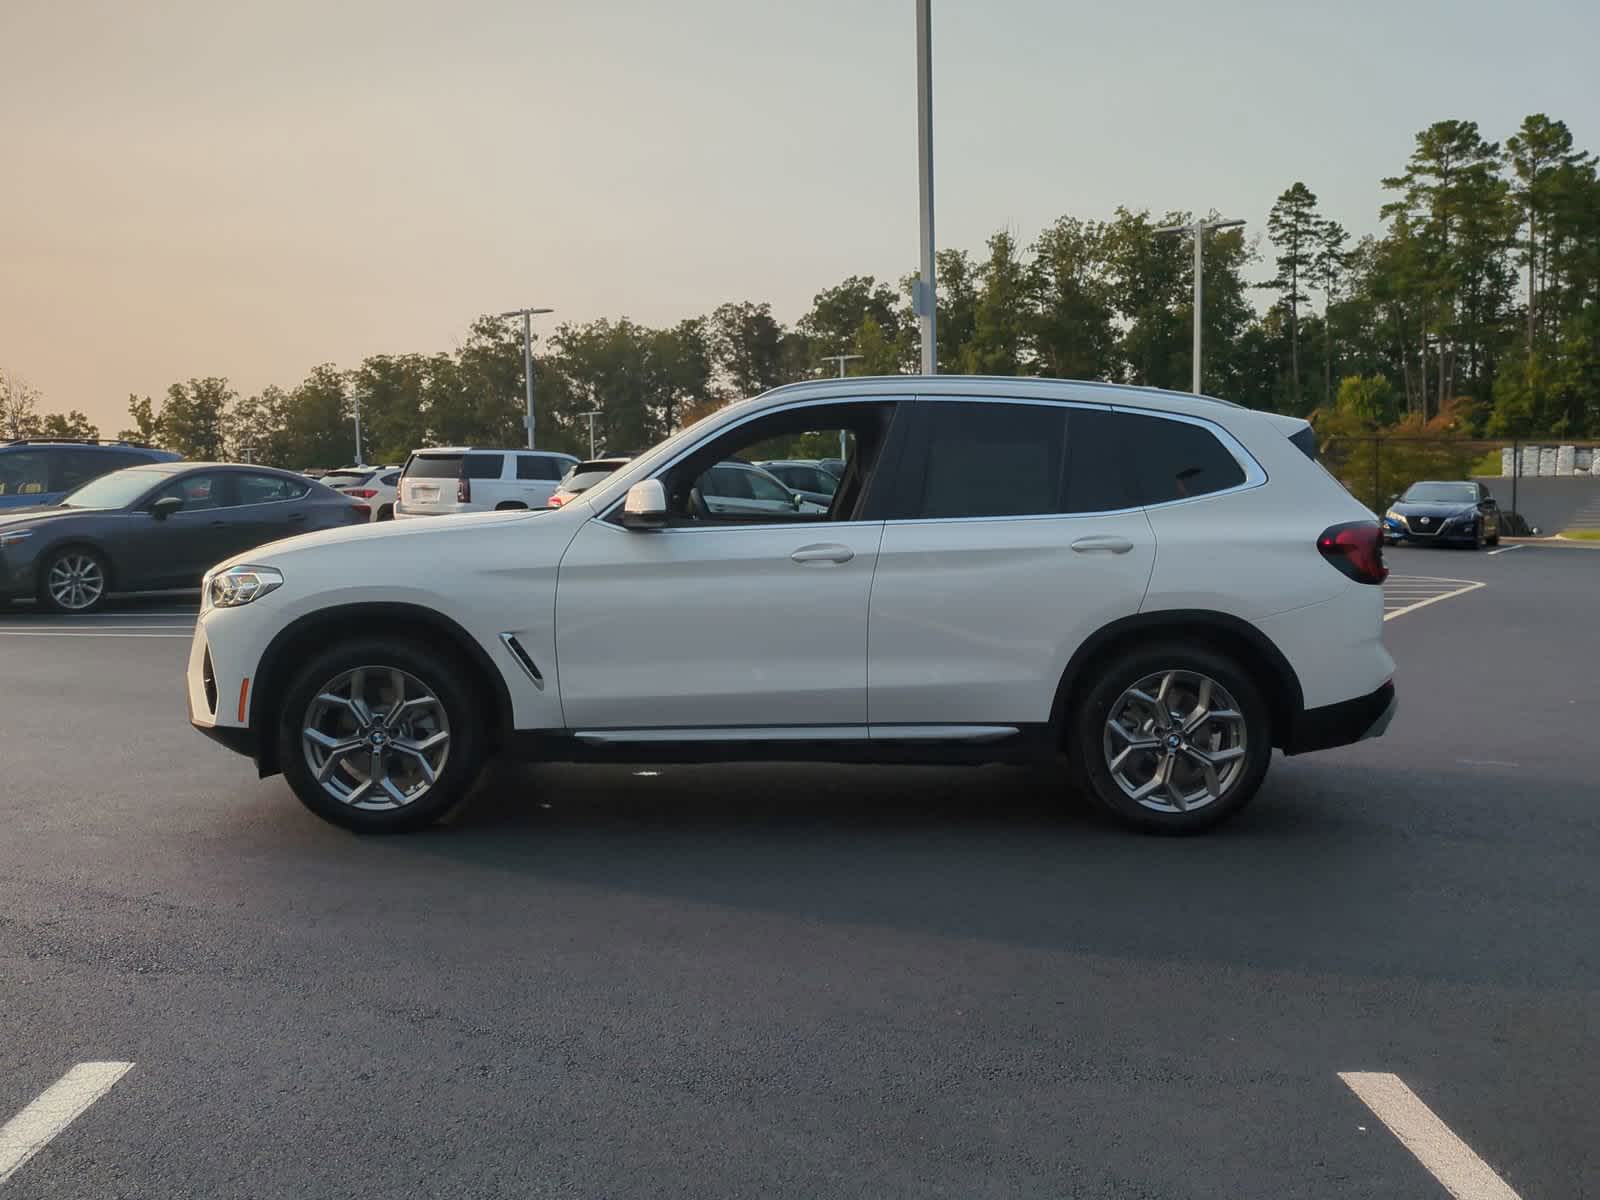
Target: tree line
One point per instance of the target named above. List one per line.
(1475, 310)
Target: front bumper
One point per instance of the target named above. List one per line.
(1343, 723)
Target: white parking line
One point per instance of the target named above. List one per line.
(1507, 549)
(1414, 592)
(1447, 1158)
(58, 1106)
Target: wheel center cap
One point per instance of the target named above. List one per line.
(377, 739)
(1174, 741)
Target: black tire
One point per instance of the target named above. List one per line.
(1495, 540)
(441, 674)
(386, 513)
(96, 562)
(1087, 723)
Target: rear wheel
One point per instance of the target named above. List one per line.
(386, 513)
(381, 736)
(73, 580)
(1171, 739)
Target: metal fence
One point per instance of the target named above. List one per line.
(1376, 467)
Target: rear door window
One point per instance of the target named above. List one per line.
(264, 489)
(540, 466)
(78, 467)
(483, 466)
(990, 460)
(24, 473)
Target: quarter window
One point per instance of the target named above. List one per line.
(540, 466)
(1174, 460)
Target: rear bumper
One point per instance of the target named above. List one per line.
(1343, 723)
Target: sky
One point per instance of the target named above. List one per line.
(247, 189)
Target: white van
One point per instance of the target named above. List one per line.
(462, 479)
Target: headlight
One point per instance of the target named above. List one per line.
(1391, 515)
(239, 585)
(14, 536)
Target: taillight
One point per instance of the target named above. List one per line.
(1356, 549)
(464, 490)
(363, 493)
(556, 500)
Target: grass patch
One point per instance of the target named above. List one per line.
(1489, 464)
(1582, 535)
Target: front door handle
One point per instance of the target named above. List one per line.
(218, 524)
(828, 553)
(295, 517)
(1102, 544)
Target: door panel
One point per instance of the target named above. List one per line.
(185, 545)
(973, 621)
(715, 627)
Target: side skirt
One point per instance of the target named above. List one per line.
(908, 745)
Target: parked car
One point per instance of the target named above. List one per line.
(376, 487)
(1459, 512)
(987, 587)
(460, 479)
(581, 477)
(156, 528)
(810, 478)
(35, 471)
(742, 488)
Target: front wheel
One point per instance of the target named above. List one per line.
(73, 580)
(1171, 739)
(381, 736)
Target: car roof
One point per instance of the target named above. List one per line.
(441, 450)
(157, 454)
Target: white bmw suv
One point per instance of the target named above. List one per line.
(1153, 589)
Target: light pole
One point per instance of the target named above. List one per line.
(1198, 230)
(924, 297)
(592, 415)
(527, 315)
(841, 359)
(355, 406)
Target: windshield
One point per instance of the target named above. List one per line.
(339, 479)
(116, 490)
(1441, 493)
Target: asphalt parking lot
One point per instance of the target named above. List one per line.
(800, 982)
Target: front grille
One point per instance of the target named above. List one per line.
(1414, 524)
(208, 680)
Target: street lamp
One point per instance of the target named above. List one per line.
(355, 407)
(924, 294)
(841, 359)
(527, 315)
(592, 415)
(1198, 230)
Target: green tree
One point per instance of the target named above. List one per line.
(317, 429)
(1367, 399)
(73, 425)
(747, 348)
(836, 314)
(146, 423)
(192, 417)
(1330, 263)
(257, 428)
(1149, 285)
(1002, 316)
(1074, 335)
(394, 419)
(1293, 226)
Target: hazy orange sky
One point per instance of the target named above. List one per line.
(199, 187)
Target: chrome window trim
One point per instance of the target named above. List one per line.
(1255, 474)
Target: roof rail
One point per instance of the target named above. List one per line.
(42, 440)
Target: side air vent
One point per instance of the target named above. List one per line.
(523, 659)
(208, 678)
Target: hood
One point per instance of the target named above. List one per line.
(36, 514)
(414, 531)
(1432, 508)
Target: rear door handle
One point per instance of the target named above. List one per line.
(1102, 544)
(218, 524)
(293, 517)
(829, 553)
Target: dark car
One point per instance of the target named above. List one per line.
(156, 528)
(1458, 513)
(809, 477)
(41, 470)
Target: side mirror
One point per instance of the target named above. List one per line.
(645, 506)
(165, 507)
(799, 500)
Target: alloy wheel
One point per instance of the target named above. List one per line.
(376, 738)
(1175, 741)
(76, 581)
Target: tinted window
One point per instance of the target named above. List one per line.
(391, 479)
(582, 481)
(728, 482)
(483, 466)
(435, 466)
(992, 460)
(78, 467)
(1098, 478)
(263, 489)
(540, 466)
(24, 473)
(340, 479)
(1306, 442)
(1174, 460)
(197, 492)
